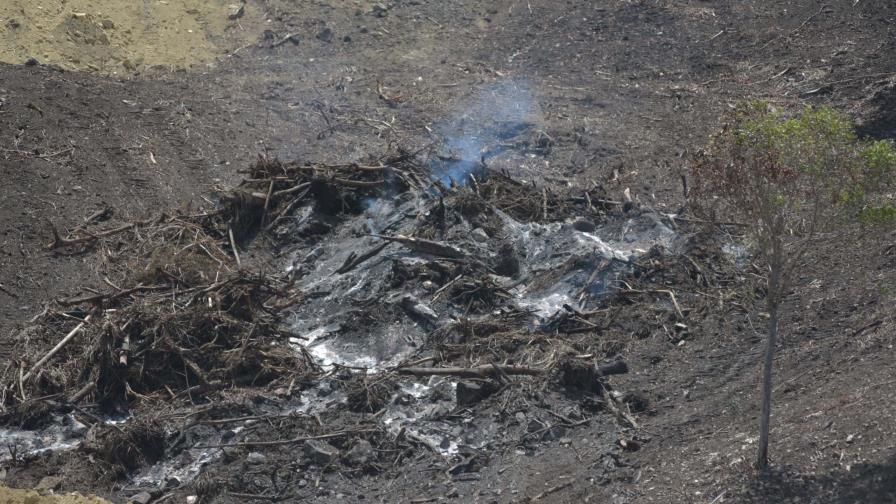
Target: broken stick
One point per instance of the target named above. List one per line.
(354, 260)
(68, 337)
(426, 246)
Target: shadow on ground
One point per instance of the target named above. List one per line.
(861, 483)
(882, 123)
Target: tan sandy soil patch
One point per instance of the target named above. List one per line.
(124, 36)
(13, 496)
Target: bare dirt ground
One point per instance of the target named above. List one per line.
(623, 90)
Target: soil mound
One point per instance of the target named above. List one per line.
(122, 37)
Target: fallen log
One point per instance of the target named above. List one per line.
(426, 246)
(483, 371)
(294, 440)
(101, 297)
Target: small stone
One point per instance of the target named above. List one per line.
(470, 392)
(256, 458)
(480, 235)
(584, 225)
(191, 499)
(107, 24)
(534, 426)
(380, 10)
(141, 498)
(49, 483)
(452, 493)
(325, 35)
(629, 444)
(237, 11)
(302, 483)
(555, 433)
(31, 62)
(230, 454)
(361, 454)
(13, 23)
(320, 452)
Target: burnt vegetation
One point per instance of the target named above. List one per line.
(189, 326)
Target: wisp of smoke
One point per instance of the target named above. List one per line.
(496, 113)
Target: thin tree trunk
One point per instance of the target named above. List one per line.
(765, 417)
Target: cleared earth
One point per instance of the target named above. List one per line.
(565, 109)
(123, 36)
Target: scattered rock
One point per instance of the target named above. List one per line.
(361, 454)
(629, 444)
(508, 263)
(320, 452)
(581, 375)
(48, 483)
(107, 24)
(13, 23)
(380, 10)
(555, 433)
(479, 235)
(420, 311)
(141, 498)
(471, 392)
(31, 62)
(237, 11)
(534, 425)
(325, 35)
(256, 458)
(584, 225)
(230, 454)
(637, 403)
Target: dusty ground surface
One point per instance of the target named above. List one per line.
(124, 38)
(29, 496)
(623, 90)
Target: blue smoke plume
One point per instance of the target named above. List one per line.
(495, 112)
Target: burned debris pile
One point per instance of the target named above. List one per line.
(364, 312)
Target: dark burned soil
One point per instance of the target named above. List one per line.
(442, 292)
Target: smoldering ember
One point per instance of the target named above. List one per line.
(622, 251)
